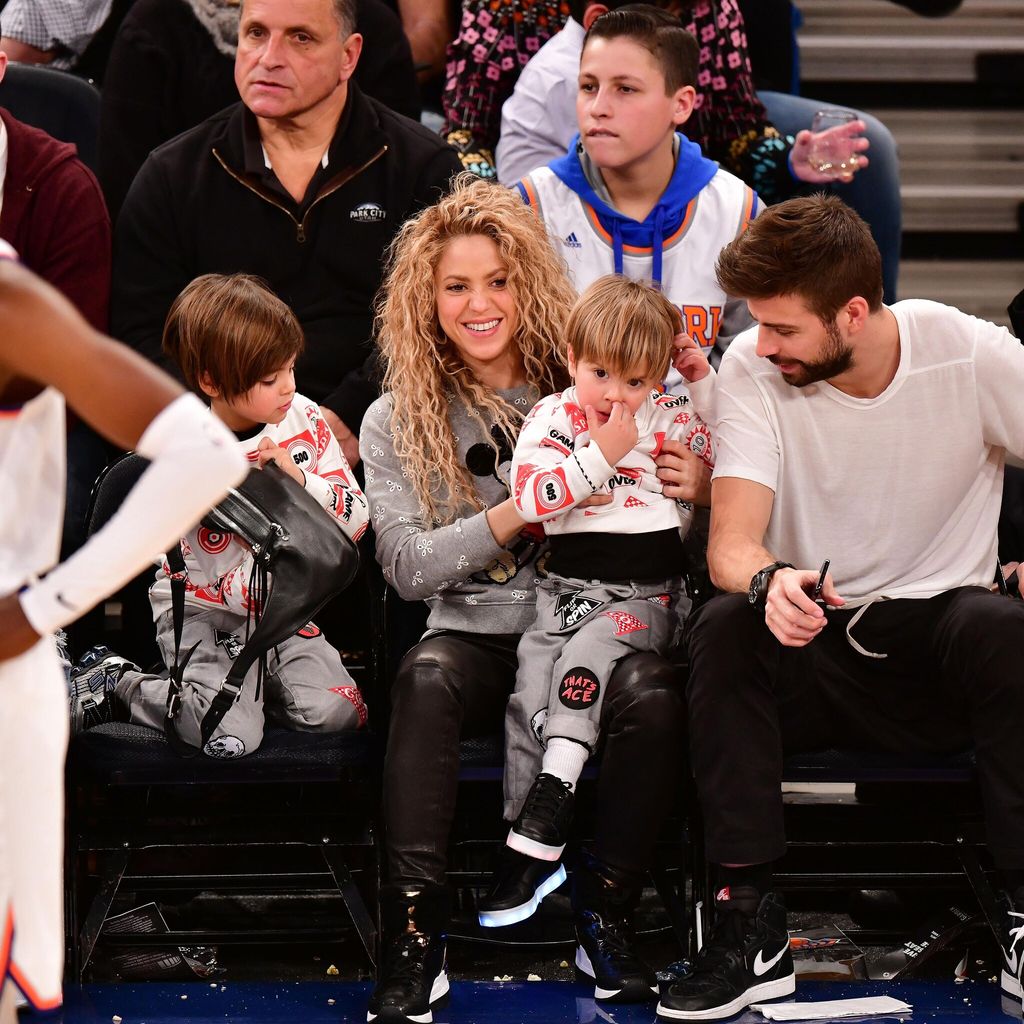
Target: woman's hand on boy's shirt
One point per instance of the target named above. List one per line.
(688, 359)
(685, 476)
(799, 156)
(267, 451)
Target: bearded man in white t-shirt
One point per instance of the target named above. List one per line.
(874, 437)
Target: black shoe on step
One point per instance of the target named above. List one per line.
(519, 885)
(602, 909)
(412, 974)
(745, 959)
(542, 827)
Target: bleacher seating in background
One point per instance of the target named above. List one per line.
(951, 90)
(66, 107)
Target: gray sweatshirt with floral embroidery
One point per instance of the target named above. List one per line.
(471, 583)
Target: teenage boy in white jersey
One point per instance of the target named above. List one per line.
(47, 353)
(633, 195)
(873, 436)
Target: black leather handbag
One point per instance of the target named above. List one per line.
(301, 559)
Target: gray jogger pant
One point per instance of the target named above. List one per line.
(566, 658)
(306, 687)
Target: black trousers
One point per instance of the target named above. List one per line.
(455, 686)
(952, 678)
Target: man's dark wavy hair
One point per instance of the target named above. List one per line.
(814, 247)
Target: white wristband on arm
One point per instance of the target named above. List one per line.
(195, 459)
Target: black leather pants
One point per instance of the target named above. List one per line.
(455, 685)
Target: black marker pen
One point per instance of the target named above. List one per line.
(816, 596)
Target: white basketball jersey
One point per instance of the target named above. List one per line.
(34, 715)
(32, 444)
(715, 216)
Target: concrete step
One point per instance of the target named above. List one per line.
(878, 41)
(966, 136)
(960, 170)
(980, 287)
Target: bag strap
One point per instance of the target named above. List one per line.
(231, 687)
(176, 563)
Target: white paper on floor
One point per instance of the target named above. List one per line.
(868, 1006)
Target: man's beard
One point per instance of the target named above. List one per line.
(836, 358)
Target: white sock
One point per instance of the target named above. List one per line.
(565, 759)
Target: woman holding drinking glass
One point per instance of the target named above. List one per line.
(470, 328)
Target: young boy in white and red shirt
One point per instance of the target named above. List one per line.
(614, 583)
(236, 343)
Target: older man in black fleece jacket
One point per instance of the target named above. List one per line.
(304, 182)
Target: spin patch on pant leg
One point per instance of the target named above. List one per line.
(229, 641)
(572, 608)
(579, 689)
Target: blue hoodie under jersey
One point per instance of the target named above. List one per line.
(692, 172)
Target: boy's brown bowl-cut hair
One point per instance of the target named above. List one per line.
(624, 326)
(233, 328)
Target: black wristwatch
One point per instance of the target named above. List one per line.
(757, 594)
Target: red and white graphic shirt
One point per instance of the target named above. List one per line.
(555, 466)
(218, 565)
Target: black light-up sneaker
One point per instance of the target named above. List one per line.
(1013, 943)
(413, 978)
(602, 911)
(543, 824)
(745, 959)
(92, 685)
(519, 885)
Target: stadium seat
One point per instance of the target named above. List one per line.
(868, 820)
(66, 107)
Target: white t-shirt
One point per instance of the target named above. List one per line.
(902, 491)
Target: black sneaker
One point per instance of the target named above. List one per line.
(603, 918)
(92, 685)
(543, 824)
(519, 885)
(412, 979)
(745, 959)
(1013, 943)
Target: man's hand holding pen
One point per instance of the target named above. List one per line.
(796, 602)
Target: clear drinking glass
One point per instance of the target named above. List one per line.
(832, 153)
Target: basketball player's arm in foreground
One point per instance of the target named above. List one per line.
(194, 457)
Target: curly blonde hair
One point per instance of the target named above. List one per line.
(423, 369)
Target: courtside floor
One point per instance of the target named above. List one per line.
(474, 1002)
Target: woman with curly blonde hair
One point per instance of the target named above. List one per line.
(470, 324)
(425, 367)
